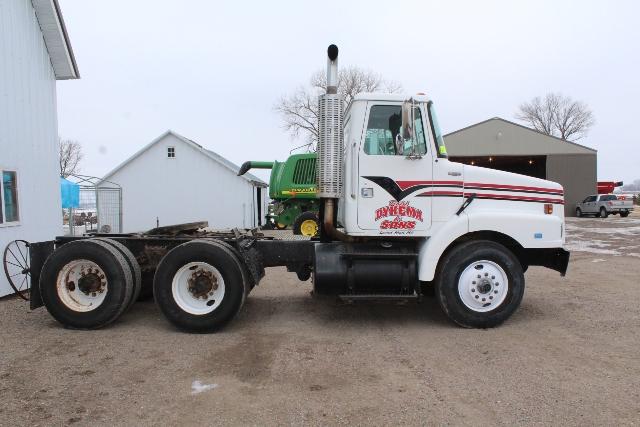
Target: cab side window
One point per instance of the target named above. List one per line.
(384, 126)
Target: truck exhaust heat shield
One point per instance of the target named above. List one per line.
(331, 139)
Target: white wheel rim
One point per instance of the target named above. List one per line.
(198, 288)
(82, 285)
(483, 286)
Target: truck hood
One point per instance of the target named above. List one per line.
(494, 184)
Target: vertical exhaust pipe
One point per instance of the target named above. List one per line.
(332, 69)
(330, 163)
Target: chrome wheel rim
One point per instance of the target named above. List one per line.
(483, 286)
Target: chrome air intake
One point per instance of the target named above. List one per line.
(331, 139)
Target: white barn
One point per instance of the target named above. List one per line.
(34, 53)
(174, 180)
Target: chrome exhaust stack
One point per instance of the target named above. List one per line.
(330, 163)
(331, 139)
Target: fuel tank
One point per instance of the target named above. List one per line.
(365, 268)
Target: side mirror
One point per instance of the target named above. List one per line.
(408, 129)
(408, 120)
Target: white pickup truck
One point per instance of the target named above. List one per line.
(604, 205)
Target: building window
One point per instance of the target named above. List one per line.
(171, 152)
(9, 198)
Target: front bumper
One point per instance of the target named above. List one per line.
(554, 258)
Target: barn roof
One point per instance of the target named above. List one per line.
(497, 136)
(208, 153)
(56, 39)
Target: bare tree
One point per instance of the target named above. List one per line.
(70, 155)
(634, 186)
(299, 109)
(557, 115)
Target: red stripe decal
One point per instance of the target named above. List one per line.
(492, 196)
(440, 193)
(408, 184)
(515, 187)
(516, 198)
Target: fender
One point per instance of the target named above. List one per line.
(529, 230)
(431, 249)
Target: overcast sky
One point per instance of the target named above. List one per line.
(212, 70)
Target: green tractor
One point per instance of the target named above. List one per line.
(292, 188)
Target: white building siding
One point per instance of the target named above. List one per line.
(28, 126)
(190, 187)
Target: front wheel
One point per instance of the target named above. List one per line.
(603, 213)
(479, 284)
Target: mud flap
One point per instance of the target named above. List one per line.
(39, 252)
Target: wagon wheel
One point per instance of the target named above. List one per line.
(16, 267)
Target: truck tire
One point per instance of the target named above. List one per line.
(86, 284)
(603, 213)
(306, 224)
(624, 214)
(132, 262)
(479, 284)
(579, 212)
(200, 285)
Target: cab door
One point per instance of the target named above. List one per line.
(393, 188)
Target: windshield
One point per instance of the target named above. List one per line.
(437, 133)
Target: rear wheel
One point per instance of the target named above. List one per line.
(579, 212)
(624, 214)
(132, 262)
(86, 284)
(479, 284)
(200, 285)
(307, 224)
(603, 213)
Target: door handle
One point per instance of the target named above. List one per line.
(454, 173)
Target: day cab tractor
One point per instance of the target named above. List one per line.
(292, 189)
(411, 220)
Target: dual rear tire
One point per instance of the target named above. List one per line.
(200, 285)
(88, 284)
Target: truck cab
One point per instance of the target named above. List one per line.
(413, 191)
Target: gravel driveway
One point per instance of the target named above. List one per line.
(569, 356)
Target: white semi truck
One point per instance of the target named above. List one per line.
(397, 217)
